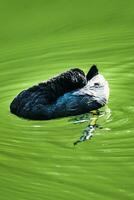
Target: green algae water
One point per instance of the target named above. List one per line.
(39, 39)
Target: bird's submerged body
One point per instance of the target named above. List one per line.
(70, 93)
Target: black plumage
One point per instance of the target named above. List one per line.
(31, 103)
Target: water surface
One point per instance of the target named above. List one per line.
(39, 39)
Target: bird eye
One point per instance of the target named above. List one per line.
(96, 84)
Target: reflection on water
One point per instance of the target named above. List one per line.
(37, 158)
(92, 119)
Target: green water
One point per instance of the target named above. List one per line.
(39, 39)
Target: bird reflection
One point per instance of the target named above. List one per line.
(92, 118)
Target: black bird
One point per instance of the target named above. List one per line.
(70, 93)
